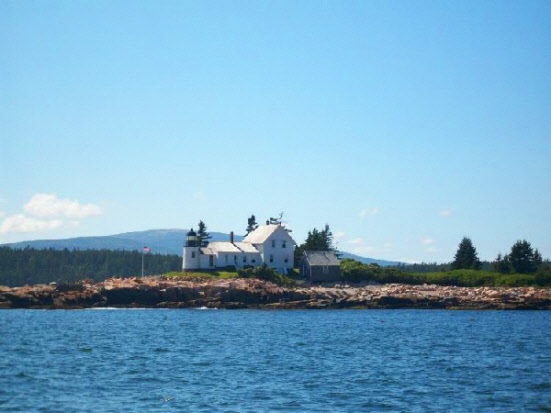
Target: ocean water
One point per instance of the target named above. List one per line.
(255, 361)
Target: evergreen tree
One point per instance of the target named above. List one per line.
(251, 224)
(202, 234)
(502, 264)
(316, 240)
(466, 256)
(523, 259)
(538, 260)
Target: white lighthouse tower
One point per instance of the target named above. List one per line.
(191, 252)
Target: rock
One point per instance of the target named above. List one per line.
(251, 293)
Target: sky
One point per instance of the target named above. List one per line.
(403, 125)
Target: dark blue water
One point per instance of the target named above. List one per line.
(250, 361)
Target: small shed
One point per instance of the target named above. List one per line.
(320, 266)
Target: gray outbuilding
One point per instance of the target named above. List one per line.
(320, 266)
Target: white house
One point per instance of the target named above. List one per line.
(268, 244)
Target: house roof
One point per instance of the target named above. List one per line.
(206, 251)
(321, 258)
(262, 233)
(246, 247)
(222, 246)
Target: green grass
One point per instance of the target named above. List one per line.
(192, 275)
(260, 273)
(477, 278)
(355, 271)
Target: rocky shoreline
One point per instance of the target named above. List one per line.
(158, 292)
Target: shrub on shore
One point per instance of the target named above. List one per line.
(266, 273)
(355, 271)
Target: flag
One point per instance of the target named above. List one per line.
(146, 249)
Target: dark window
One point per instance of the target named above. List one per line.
(271, 258)
(192, 254)
(244, 258)
(284, 244)
(211, 260)
(235, 258)
(286, 260)
(253, 260)
(273, 243)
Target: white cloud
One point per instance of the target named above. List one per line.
(49, 205)
(427, 241)
(446, 213)
(2, 213)
(358, 246)
(369, 211)
(21, 223)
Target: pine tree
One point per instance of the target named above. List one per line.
(523, 259)
(538, 260)
(251, 224)
(202, 234)
(466, 256)
(502, 264)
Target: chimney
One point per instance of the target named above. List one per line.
(231, 237)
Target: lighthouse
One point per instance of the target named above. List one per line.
(191, 252)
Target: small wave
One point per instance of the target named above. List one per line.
(205, 308)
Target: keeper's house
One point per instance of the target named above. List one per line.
(268, 244)
(320, 266)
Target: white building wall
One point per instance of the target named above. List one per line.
(204, 262)
(191, 260)
(276, 250)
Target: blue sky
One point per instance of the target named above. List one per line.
(404, 125)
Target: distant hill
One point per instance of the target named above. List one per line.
(162, 241)
(365, 260)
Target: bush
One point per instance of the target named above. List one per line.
(543, 276)
(266, 273)
(355, 271)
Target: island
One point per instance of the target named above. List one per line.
(250, 293)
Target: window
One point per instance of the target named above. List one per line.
(226, 257)
(192, 254)
(273, 243)
(271, 258)
(284, 244)
(244, 258)
(211, 260)
(235, 258)
(253, 260)
(286, 260)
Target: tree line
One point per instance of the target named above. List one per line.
(31, 266)
(522, 259)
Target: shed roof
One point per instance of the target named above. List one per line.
(321, 258)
